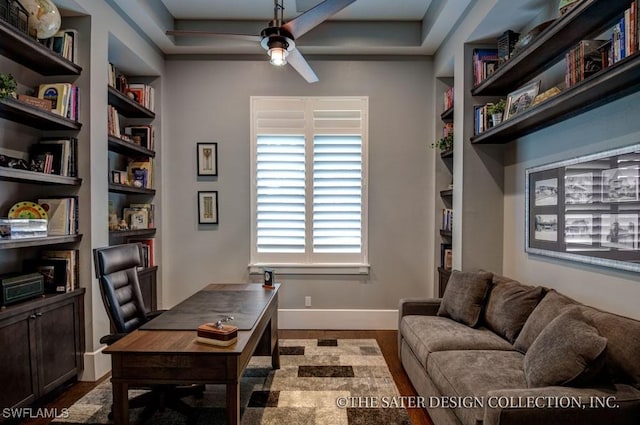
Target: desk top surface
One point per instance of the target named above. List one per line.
(180, 338)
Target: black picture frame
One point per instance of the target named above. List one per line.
(586, 209)
(208, 207)
(207, 158)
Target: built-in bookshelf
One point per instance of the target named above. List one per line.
(43, 337)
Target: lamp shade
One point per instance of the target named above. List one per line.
(278, 56)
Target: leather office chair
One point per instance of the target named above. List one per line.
(118, 280)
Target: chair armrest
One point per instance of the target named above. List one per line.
(153, 314)
(419, 306)
(619, 404)
(111, 338)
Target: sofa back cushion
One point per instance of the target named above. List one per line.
(623, 348)
(465, 296)
(548, 309)
(569, 351)
(509, 305)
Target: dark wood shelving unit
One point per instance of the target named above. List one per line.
(128, 148)
(29, 242)
(23, 113)
(586, 19)
(30, 53)
(128, 107)
(137, 232)
(446, 154)
(616, 81)
(121, 188)
(447, 116)
(445, 233)
(24, 176)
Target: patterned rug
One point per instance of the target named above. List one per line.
(316, 378)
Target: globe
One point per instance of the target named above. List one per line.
(44, 17)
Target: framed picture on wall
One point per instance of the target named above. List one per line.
(208, 207)
(207, 155)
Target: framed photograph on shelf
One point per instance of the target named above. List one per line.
(521, 99)
(586, 209)
(208, 207)
(207, 154)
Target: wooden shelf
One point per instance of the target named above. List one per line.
(23, 176)
(126, 233)
(49, 240)
(587, 19)
(121, 188)
(446, 154)
(28, 52)
(616, 81)
(447, 116)
(446, 193)
(128, 107)
(23, 113)
(445, 233)
(128, 148)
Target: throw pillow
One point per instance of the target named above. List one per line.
(569, 351)
(508, 307)
(548, 309)
(465, 295)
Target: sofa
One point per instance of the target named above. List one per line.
(495, 351)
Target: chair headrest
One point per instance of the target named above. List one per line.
(116, 258)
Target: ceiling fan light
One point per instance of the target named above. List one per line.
(278, 56)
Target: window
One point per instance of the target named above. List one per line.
(309, 183)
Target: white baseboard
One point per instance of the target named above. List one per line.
(338, 319)
(96, 365)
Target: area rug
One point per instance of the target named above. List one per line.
(320, 381)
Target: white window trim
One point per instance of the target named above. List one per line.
(328, 267)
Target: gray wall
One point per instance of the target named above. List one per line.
(207, 100)
(610, 126)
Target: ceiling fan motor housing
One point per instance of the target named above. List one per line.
(273, 37)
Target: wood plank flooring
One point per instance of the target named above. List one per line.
(387, 340)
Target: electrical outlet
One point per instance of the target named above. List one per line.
(307, 301)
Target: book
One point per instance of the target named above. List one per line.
(73, 272)
(47, 158)
(58, 211)
(58, 94)
(148, 250)
(141, 165)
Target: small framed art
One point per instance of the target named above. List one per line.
(208, 207)
(207, 154)
(521, 99)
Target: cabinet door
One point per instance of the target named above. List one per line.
(58, 348)
(18, 360)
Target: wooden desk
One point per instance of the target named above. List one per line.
(150, 357)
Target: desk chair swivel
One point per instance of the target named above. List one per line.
(118, 280)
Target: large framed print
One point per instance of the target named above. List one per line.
(586, 209)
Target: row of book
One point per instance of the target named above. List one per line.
(147, 251)
(447, 220)
(485, 63)
(582, 61)
(447, 129)
(142, 93)
(482, 118)
(64, 43)
(446, 256)
(62, 215)
(59, 269)
(624, 36)
(55, 156)
(64, 98)
(448, 98)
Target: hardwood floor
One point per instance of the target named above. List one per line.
(387, 340)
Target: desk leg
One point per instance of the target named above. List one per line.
(275, 356)
(233, 403)
(120, 403)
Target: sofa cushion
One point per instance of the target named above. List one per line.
(567, 352)
(428, 334)
(623, 343)
(465, 296)
(509, 305)
(548, 309)
(472, 373)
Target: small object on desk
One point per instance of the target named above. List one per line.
(268, 278)
(217, 333)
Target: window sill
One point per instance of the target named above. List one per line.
(317, 269)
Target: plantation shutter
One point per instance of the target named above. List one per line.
(309, 180)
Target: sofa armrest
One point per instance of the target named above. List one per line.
(619, 404)
(419, 306)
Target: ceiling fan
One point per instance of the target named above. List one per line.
(278, 39)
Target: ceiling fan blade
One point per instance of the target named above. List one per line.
(315, 16)
(187, 33)
(298, 62)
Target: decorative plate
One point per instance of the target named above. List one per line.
(26, 209)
